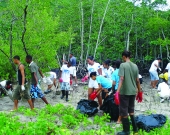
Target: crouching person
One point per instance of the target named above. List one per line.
(65, 75)
(163, 88)
(103, 83)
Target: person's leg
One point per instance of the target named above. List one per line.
(152, 80)
(45, 100)
(16, 97)
(90, 90)
(67, 95)
(123, 112)
(33, 100)
(31, 104)
(63, 93)
(99, 100)
(156, 79)
(15, 104)
(131, 113)
(119, 121)
(74, 75)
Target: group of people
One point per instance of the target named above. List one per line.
(123, 79)
(160, 82)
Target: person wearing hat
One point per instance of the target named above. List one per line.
(153, 72)
(163, 88)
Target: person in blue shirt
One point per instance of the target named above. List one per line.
(104, 83)
(115, 76)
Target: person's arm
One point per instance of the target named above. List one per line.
(35, 77)
(21, 68)
(55, 82)
(138, 85)
(100, 71)
(40, 73)
(120, 83)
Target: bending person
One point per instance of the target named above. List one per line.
(93, 67)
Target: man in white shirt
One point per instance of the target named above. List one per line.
(153, 72)
(168, 68)
(50, 80)
(163, 88)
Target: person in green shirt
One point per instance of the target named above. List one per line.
(128, 85)
(36, 75)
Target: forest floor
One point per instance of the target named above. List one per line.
(150, 104)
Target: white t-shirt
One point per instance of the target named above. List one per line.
(108, 72)
(3, 83)
(164, 90)
(153, 67)
(168, 68)
(93, 68)
(102, 68)
(51, 75)
(65, 73)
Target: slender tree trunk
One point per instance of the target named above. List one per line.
(70, 48)
(128, 36)
(82, 31)
(167, 48)
(24, 30)
(91, 22)
(136, 56)
(100, 30)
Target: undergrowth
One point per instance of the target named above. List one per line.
(61, 120)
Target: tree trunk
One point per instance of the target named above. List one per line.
(82, 31)
(128, 37)
(167, 48)
(97, 43)
(136, 56)
(91, 22)
(24, 30)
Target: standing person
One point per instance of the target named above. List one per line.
(168, 68)
(108, 70)
(73, 68)
(115, 80)
(65, 75)
(36, 75)
(153, 72)
(50, 81)
(93, 67)
(21, 89)
(129, 82)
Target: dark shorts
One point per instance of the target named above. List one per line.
(18, 93)
(36, 92)
(127, 104)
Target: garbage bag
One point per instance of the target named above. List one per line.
(87, 107)
(110, 108)
(150, 122)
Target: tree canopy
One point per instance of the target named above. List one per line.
(102, 28)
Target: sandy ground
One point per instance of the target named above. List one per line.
(151, 102)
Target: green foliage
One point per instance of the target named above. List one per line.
(61, 120)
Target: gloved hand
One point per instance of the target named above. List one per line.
(60, 80)
(160, 69)
(86, 78)
(139, 97)
(116, 97)
(22, 87)
(71, 82)
(93, 95)
(82, 80)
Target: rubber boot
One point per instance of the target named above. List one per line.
(67, 96)
(63, 94)
(134, 125)
(126, 127)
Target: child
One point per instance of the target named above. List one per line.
(65, 75)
